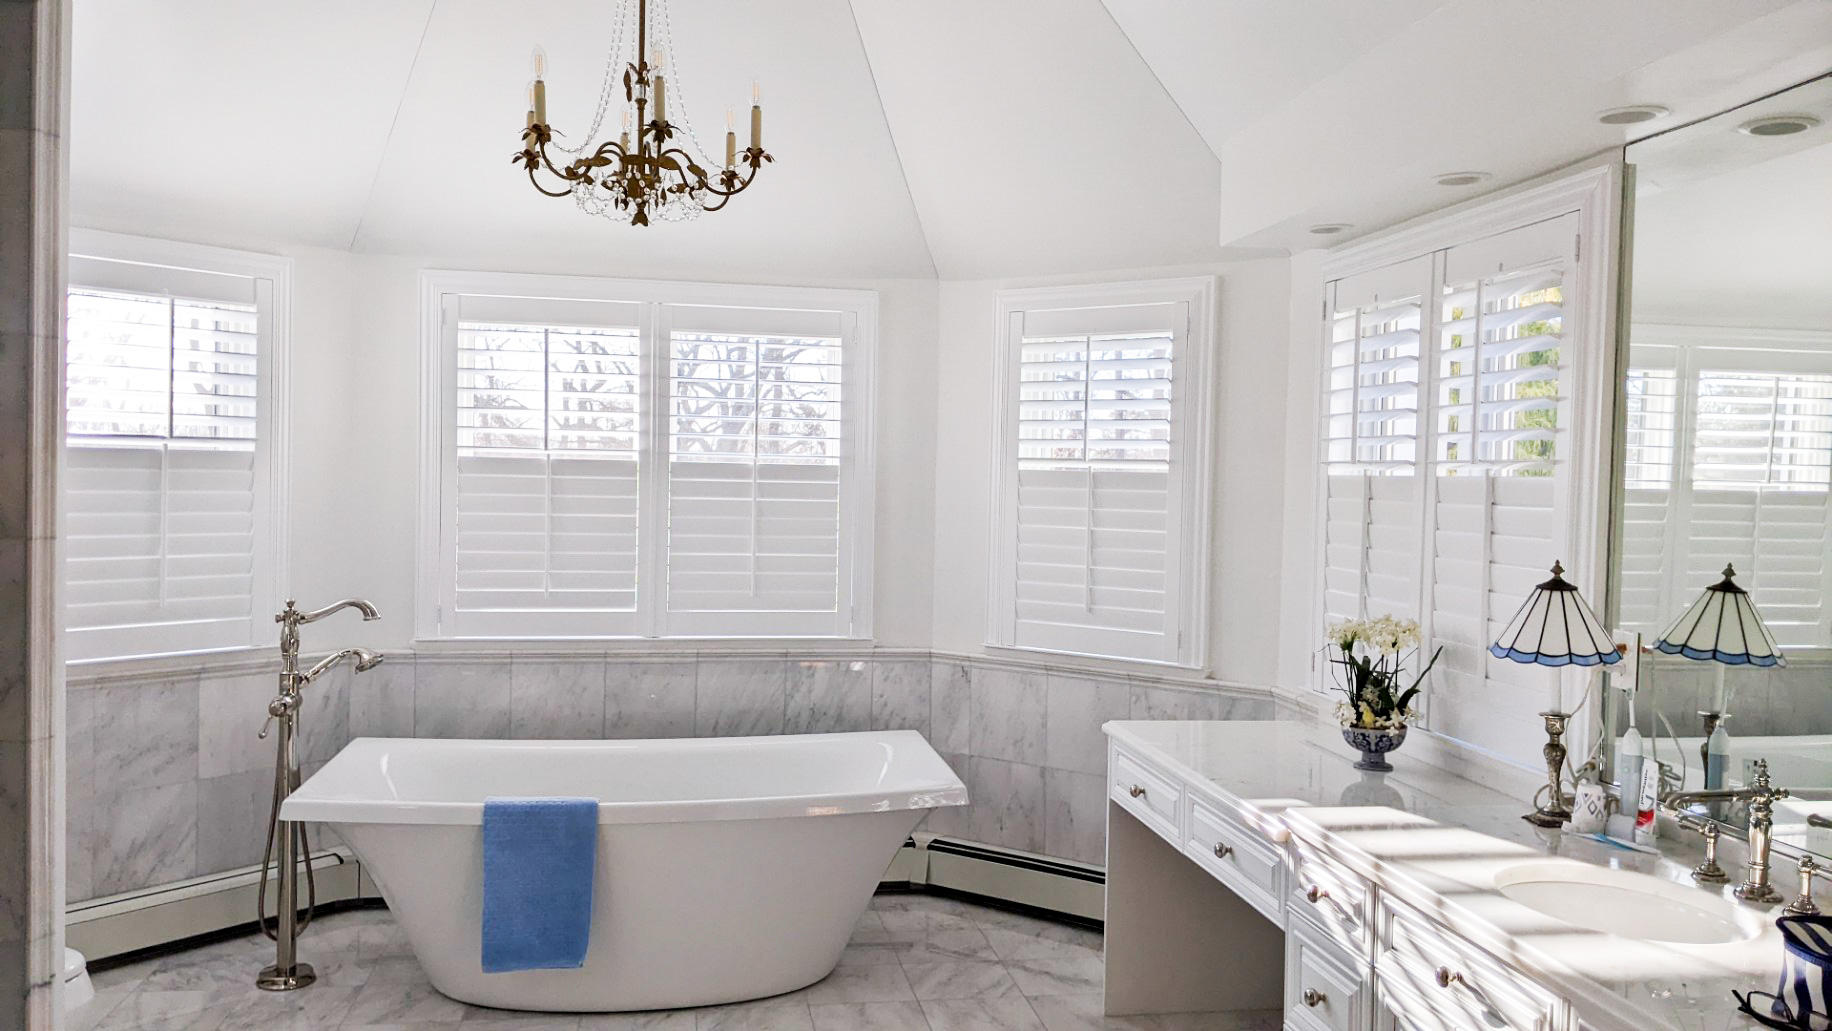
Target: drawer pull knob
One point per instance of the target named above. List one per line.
(1314, 998)
(1446, 978)
(1223, 851)
(1316, 893)
(1136, 791)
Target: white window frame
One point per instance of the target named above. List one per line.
(1192, 459)
(271, 570)
(438, 449)
(1594, 193)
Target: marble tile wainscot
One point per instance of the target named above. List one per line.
(1024, 735)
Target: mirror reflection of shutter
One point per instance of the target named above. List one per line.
(1497, 420)
(1761, 465)
(1650, 447)
(161, 488)
(754, 471)
(1095, 491)
(1372, 492)
(547, 483)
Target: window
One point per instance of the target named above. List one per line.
(171, 428)
(1447, 452)
(1103, 453)
(1730, 461)
(627, 459)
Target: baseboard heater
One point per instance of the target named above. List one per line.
(175, 915)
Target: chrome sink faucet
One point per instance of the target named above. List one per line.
(1761, 797)
(286, 838)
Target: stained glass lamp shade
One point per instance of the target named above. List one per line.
(1722, 626)
(1555, 628)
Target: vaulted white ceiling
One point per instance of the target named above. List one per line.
(959, 138)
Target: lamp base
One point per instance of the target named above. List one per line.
(1556, 812)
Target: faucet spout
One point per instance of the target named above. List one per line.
(369, 612)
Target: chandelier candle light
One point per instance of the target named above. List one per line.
(653, 173)
(1555, 628)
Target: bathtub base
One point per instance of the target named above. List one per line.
(683, 914)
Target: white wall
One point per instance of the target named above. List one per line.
(1253, 370)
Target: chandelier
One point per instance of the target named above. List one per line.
(656, 173)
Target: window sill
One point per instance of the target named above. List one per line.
(103, 672)
(672, 647)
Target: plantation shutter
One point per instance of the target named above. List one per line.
(1646, 543)
(545, 505)
(1761, 467)
(1497, 456)
(754, 477)
(166, 475)
(1097, 467)
(1372, 494)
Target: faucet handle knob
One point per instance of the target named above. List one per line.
(265, 727)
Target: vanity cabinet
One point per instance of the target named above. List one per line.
(1354, 958)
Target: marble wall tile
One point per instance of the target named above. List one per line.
(557, 698)
(827, 696)
(1007, 803)
(1076, 709)
(461, 699)
(232, 815)
(230, 713)
(645, 699)
(739, 697)
(381, 700)
(1008, 715)
(950, 706)
(146, 732)
(1178, 703)
(142, 835)
(1075, 815)
(324, 716)
(79, 790)
(952, 820)
(900, 695)
(15, 909)
(14, 683)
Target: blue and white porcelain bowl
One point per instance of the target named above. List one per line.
(1374, 743)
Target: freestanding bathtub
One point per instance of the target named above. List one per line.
(728, 868)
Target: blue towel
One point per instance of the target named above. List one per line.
(538, 858)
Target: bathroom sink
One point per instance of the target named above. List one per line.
(1628, 904)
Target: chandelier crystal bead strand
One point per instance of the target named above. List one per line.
(653, 170)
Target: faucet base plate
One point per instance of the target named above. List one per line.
(273, 979)
(1761, 893)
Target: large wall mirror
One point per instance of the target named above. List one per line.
(1724, 459)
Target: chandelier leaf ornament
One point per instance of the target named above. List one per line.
(657, 173)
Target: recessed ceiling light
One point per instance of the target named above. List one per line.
(1460, 178)
(1330, 228)
(1778, 125)
(1632, 114)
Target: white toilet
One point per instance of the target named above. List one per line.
(77, 989)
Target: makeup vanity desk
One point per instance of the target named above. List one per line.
(1250, 866)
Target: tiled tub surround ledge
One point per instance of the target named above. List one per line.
(168, 780)
(1405, 864)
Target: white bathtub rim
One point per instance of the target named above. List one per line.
(931, 789)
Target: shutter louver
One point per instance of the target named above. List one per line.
(161, 483)
(546, 498)
(754, 477)
(1096, 480)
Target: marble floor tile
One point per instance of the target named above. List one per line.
(869, 1016)
(1083, 1013)
(1003, 1013)
(918, 962)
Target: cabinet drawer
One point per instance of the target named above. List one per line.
(1331, 895)
(1323, 983)
(1237, 857)
(1465, 986)
(1146, 793)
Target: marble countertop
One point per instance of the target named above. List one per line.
(1437, 840)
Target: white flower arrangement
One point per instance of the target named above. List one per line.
(1374, 652)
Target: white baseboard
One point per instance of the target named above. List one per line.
(122, 924)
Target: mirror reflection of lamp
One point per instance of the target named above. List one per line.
(1722, 626)
(1555, 628)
